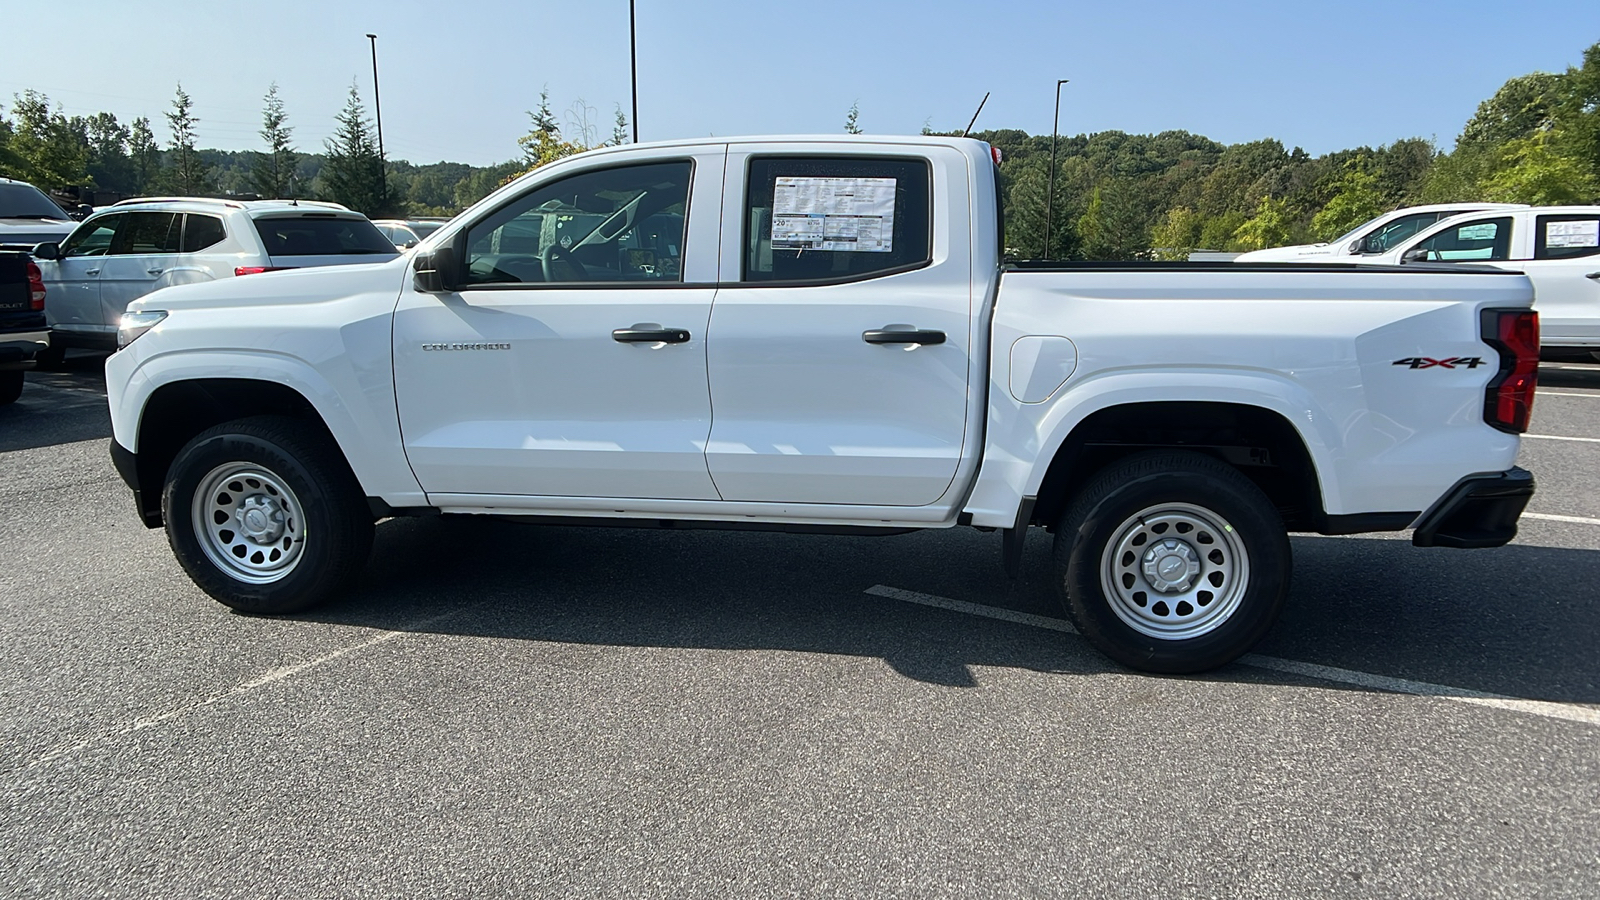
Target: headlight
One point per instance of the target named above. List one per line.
(137, 323)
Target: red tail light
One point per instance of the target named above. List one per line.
(257, 270)
(1514, 333)
(35, 286)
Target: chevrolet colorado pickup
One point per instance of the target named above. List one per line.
(23, 335)
(818, 334)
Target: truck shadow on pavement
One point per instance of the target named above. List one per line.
(61, 406)
(1517, 621)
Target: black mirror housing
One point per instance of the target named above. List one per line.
(1416, 254)
(47, 250)
(438, 271)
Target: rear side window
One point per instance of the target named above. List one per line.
(1566, 236)
(321, 236)
(1484, 239)
(145, 233)
(822, 219)
(200, 232)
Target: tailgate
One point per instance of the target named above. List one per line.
(14, 291)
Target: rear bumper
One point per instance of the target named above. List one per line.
(18, 348)
(1480, 511)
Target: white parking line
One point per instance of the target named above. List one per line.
(266, 678)
(1580, 520)
(1594, 396)
(1561, 437)
(1571, 712)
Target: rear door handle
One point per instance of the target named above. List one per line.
(903, 336)
(639, 334)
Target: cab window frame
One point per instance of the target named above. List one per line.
(746, 247)
(463, 239)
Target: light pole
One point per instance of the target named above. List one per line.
(633, 58)
(1050, 190)
(377, 106)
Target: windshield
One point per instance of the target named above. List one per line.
(423, 229)
(321, 236)
(24, 201)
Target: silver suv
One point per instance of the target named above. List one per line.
(125, 251)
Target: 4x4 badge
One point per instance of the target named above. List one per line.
(1450, 362)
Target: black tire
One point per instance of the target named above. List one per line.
(10, 386)
(1138, 505)
(323, 531)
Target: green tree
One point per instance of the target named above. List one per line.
(1535, 170)
(186, 176)
(850, 126)
(1271, 226)
(619, 130)
(1176, 235)
(144, 154)
(1115, 225)
(53, 152)
(542, 144)
(353, 173)
(1356, 200)
(273, 171)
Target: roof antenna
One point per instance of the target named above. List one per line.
(975, 115)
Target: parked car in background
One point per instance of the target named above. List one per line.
(22, 329)
(1558, 247)
(127, 250)
(28, 217)
(1373, 237)
(407, 233)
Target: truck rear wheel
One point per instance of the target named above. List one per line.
(265, 516)
(1172, 562)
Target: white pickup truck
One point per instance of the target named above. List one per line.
(818, 334)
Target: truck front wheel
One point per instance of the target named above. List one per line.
(265, 516)
(1172, 562)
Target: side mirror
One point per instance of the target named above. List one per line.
(1415, 254)
(47, 250)
(1356, 246)
(438, 271)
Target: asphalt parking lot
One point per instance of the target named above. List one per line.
(506, 710)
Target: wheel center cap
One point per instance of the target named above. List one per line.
(1171, 566)
(260, 519)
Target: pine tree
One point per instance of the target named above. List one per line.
(353, 173)
(850, 126)
(186, 175)
(270, 175)
(619, 131)
(543, 144)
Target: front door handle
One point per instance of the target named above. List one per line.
(903, 336)
(154, 271)
(650, 334)
(91, 271)
(1593, 275)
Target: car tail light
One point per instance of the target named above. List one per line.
(35, 286)
(257, 270)
(1514, 334)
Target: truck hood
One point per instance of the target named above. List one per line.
(1288, 254)
(288, 287)
(35, 231)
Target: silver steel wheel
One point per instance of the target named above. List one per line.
(1174, 571)
(248, 522)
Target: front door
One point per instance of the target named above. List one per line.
(840, 352)
(72, 282)
(571, 361)
(145, 247)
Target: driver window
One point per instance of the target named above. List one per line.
(92, 238)
(1390, 235)
(1485, 239)
(622, 225)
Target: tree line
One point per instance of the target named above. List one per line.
(1117, 195)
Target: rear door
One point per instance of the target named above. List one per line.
(838, 357)
(1565, 270)
(297, 239)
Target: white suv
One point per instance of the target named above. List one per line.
(125, 251)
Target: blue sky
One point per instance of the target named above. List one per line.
(458, 77)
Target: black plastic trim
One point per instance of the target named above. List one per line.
(1479, 511)
(1013, 538)
(1279, 268)
(127, 465)
(696, 524)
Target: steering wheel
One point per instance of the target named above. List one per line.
(554, 253)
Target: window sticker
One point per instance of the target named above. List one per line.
(1484, 232)
(1572, 234)
(855, 214)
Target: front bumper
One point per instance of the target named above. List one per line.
(127, 463)
(1480, 511)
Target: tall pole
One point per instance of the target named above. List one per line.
(633, 57)
(377, 106)
(1050, 191)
